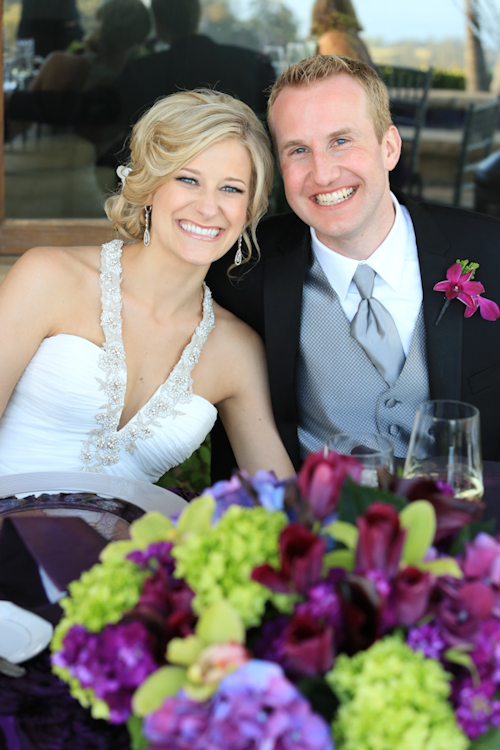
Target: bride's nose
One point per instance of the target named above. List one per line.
(207, 205)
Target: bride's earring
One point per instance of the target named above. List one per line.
(239, 255)
(147, 237)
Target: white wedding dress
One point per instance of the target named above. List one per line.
(64, 412)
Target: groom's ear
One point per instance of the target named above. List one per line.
(391, 147)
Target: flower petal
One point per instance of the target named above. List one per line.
(489, 310)
(442, 286)
(471, 287)
(454, 272)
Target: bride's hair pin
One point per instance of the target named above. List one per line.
(239, 255)
(123, 173)
(147, 237)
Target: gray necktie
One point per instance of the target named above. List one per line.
(375, 330)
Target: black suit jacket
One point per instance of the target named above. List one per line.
(463, 355)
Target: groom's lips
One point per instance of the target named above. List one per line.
(334, 197)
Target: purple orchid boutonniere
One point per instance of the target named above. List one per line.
(460, 285)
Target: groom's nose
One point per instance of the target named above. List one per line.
(324, 169)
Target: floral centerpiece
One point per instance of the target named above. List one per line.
(299, 615)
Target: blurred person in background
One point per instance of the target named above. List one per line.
(119, 28)
(53, 24)
(336, 25)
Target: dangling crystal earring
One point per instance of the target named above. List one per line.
(239, 255)
(147, 237)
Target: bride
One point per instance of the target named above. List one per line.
(116, 360)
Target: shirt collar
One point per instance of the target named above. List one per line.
(387, 260)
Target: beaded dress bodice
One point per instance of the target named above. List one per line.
(65, 411)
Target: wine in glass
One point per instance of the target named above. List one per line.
(445, 445)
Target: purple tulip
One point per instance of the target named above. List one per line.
(321, 479)
(410, 595)
(308, 646)
(381, 540)
(301, 554)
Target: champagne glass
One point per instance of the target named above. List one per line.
(24, 61)
(371, 450)
(445, 445)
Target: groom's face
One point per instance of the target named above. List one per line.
(334, 168)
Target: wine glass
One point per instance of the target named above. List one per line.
(24, 61)
(371, 450)
(445, 445)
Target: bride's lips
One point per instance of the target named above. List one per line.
(200, 232)
(334, 197)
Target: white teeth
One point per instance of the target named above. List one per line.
(194, 229)
(329, 199)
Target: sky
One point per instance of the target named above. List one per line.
(393, 20)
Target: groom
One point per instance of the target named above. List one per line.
(343, 294)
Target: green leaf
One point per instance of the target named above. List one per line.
(339, 558)
(220, 623)
(444, 566)
(356, 498)
(488, 741)
(184, 651)
(419, 520)
(164, 683)
(117, 550)
(137, 739)
(152, 527)
(343, 532)
(197, 517)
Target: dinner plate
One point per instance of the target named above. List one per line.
(22, 633)
(147, 497)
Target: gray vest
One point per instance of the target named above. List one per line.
(338, 387)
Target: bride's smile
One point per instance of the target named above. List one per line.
(200, 212)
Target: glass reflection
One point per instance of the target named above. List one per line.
(77, 75)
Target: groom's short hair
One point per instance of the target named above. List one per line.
(321, 67)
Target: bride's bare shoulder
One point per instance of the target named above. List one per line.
(52, 266)
(231, 330)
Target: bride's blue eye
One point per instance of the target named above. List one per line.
(231, 189)
(187, 180)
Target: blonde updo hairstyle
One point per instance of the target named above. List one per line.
(176, 130)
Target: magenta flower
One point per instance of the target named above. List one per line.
(301, 554)
(321, 479)
(459, 285)
(381, 540)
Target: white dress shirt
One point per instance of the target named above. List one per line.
(397, 286)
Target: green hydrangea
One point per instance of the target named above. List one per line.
(393, 698)
(217, 563)
(102, 595)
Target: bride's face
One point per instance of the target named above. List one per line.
(200, 212)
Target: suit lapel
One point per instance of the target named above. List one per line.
(444, 341)
(285, 272)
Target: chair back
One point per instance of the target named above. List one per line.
(408, 93)
(479, 131)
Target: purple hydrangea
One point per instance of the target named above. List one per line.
(157, 553)
(476, 708)
(113, 663)
(427, 639)
(322, 602)
(255, 707)
(242, 489)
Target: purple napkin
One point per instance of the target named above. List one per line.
(63, 547)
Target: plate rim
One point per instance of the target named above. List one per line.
(45, 630)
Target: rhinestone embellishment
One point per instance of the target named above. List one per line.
(102, 448)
